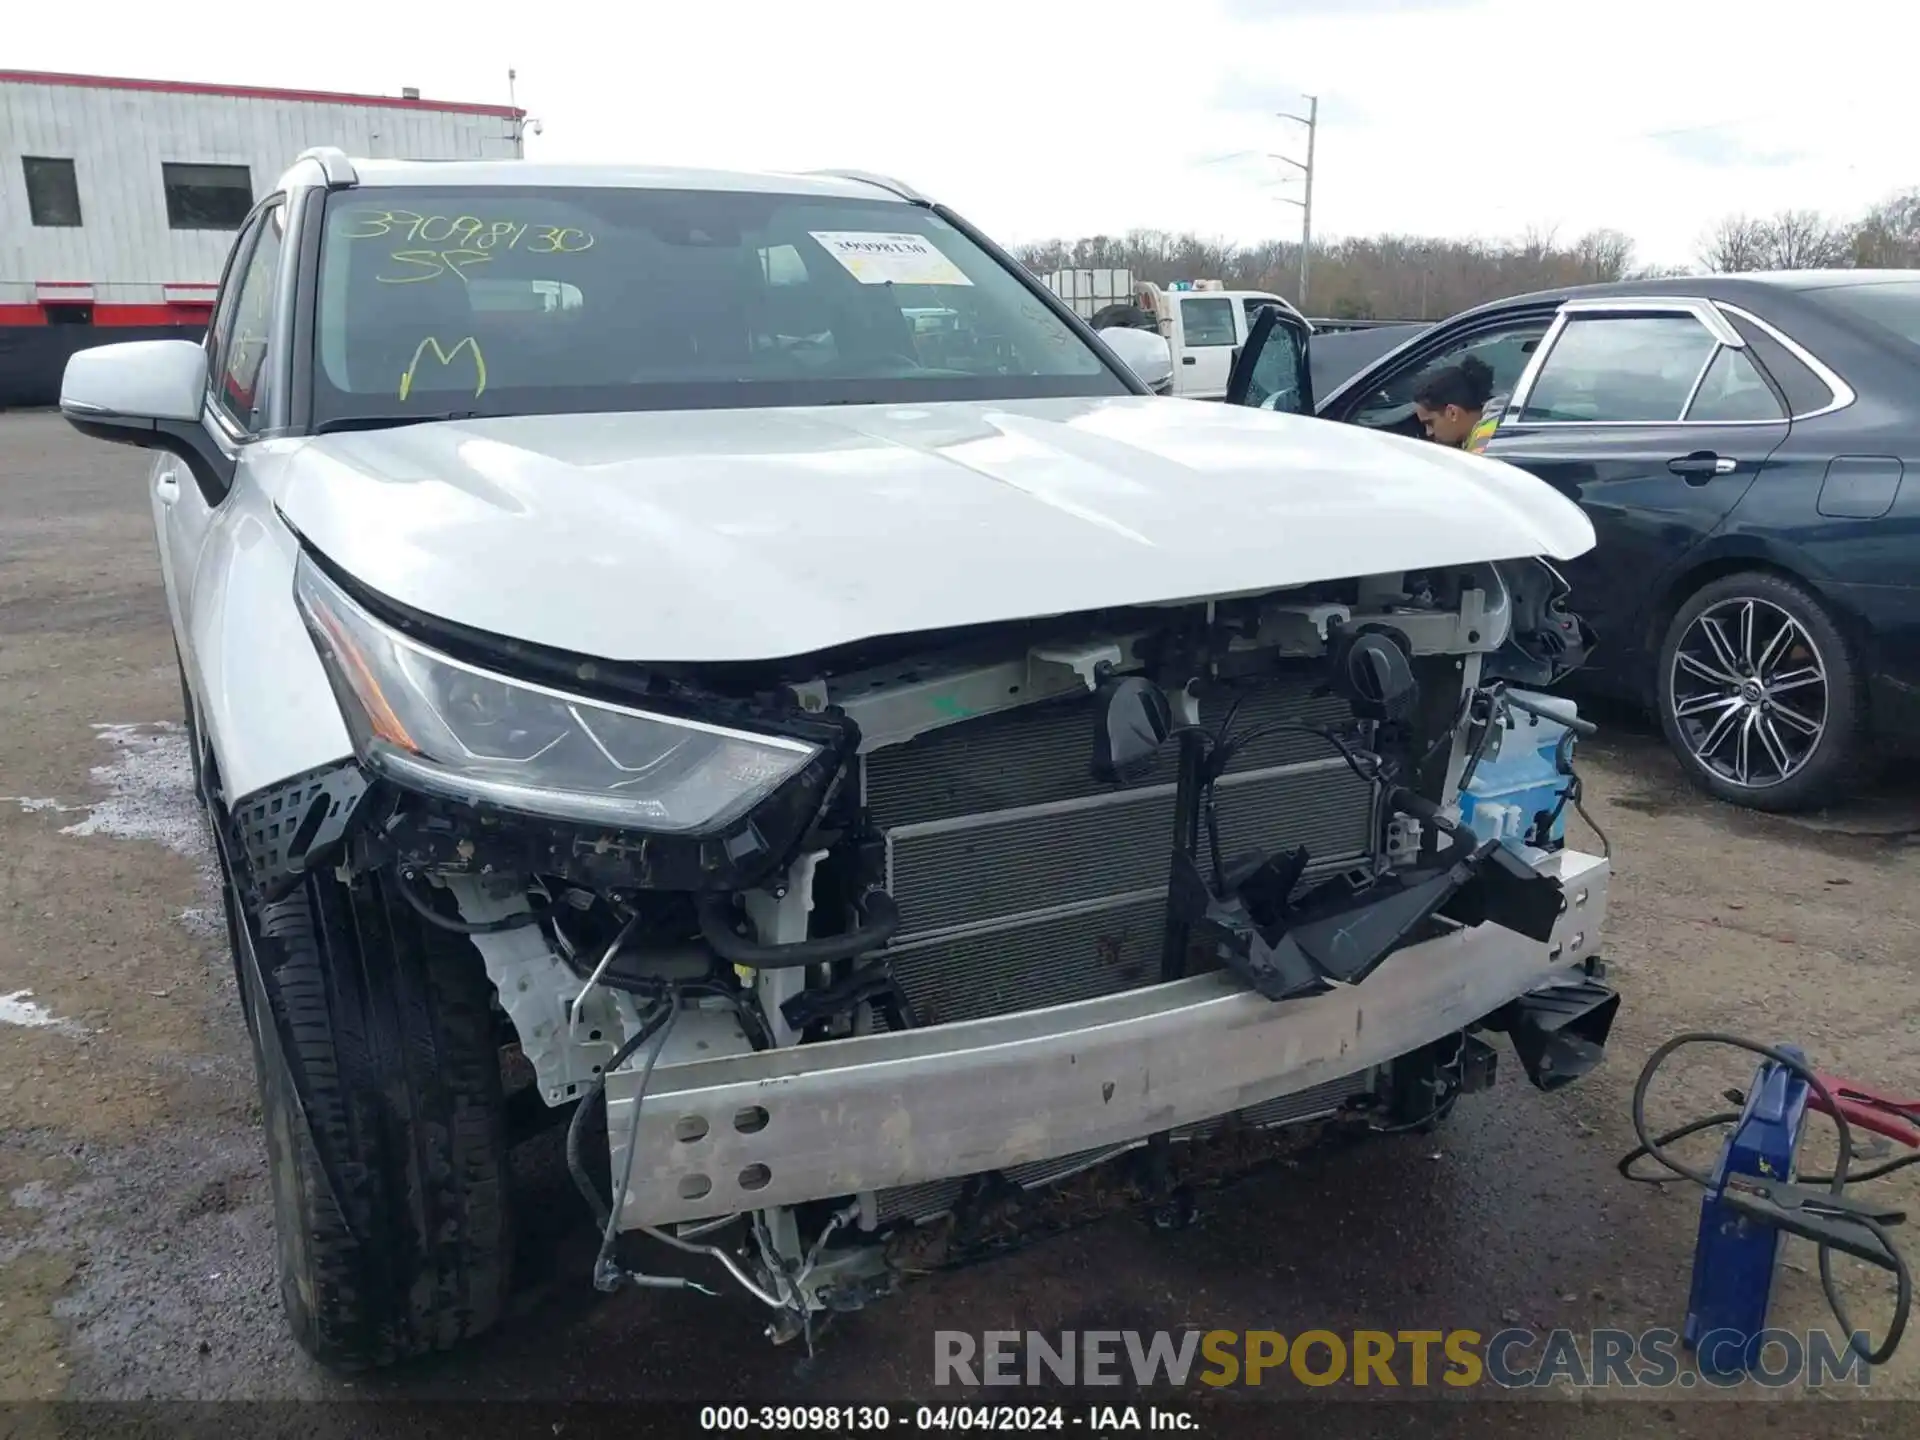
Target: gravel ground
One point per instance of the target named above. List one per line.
(135, 1245)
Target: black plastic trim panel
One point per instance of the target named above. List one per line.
(287, 828)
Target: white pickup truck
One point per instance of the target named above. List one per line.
(1205, 325)
(1207, 329)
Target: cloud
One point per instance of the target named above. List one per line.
(1718, 147)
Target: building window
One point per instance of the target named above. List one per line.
(207, 197)
(53, 192)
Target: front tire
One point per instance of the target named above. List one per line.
(1760, 696)
(379, 1070)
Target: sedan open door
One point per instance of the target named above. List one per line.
(1271, 372)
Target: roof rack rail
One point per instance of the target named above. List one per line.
(333, 163)
(885, 182)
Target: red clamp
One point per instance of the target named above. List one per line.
(1869, 1110)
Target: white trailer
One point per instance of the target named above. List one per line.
(119, 198)
(1090, 291)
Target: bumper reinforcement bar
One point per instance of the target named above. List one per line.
(872, 1112)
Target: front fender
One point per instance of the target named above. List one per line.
(266, 707)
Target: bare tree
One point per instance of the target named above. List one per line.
(1405, 277)
(1603, 255)
(1806, 240)
(1888, 237)
(1737, 243)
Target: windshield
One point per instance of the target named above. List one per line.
(1893, 308)
(501, 301)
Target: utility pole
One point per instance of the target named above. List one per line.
(1312, 121)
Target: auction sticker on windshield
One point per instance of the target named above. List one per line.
(873, 258)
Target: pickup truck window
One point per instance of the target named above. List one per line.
(1207, 322)
(510, 300)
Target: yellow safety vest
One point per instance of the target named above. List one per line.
(1488, 422)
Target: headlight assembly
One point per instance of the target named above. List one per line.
(449, 728)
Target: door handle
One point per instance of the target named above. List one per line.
(167, 487)
(1189, 360)
(1702, 466)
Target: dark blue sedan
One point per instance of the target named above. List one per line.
(1741, 445)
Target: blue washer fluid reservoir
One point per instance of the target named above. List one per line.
(1523, 780)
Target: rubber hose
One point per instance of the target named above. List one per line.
(715, 928)
(424, 909)
(576, 1163)
(1409, 802)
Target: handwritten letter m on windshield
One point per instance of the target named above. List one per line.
(445, 356)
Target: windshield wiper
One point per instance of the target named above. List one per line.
(389, 422)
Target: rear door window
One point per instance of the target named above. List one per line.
(1621, 369)
(1805, 391)
(1733, 389)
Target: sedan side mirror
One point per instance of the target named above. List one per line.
(1144, 352)
(151, 393)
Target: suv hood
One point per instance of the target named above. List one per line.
(727, 535)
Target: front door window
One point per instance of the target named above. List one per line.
(1505, 351)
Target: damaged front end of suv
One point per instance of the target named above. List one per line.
(864, 959)
(733, 667)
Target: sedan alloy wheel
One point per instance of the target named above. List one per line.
(1749, 692)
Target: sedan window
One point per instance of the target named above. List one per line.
(1621, 368)
(1505, 352)
(1734, 389)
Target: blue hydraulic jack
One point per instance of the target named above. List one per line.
(1754, 1196)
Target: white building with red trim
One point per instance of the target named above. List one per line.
(119, 198)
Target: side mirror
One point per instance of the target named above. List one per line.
(135, 384)
(1144, 352)
(1132, 720)
(151, 393)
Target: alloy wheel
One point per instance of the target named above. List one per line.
(1749, 692)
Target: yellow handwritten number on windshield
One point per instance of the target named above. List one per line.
(462, 233)
(445, 357)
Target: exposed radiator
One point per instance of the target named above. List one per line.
(1022, 883)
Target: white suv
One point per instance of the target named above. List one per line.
(740, 640)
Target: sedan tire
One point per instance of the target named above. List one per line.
(1760, 695)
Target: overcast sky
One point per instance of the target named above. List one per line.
(1038, 118)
